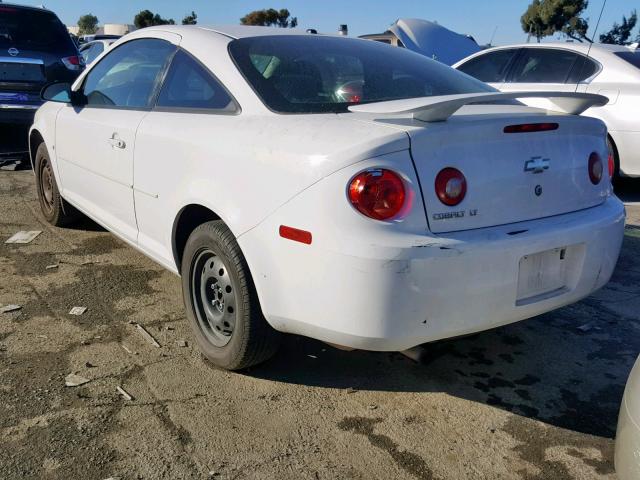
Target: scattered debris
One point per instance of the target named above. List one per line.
(147, 336)
(312, 356)
(89, 365)
(113, 478)
(52, 267)
(77, 310)
(169, 327)
(10, 308)
(85, 342)
(124, 394)
(42, 336)
(24, 236)
(586, 327)
(182, 343)
(73, 380)
(351, 390)
(373, 407)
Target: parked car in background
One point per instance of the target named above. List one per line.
(609, 70)
(627, 456)
(428, 39)
(35, 49)
(98, 36)
(90, 51)
(229, 156)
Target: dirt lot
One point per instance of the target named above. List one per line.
(535, 400)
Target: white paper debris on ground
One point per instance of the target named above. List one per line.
(24, 236)
(586, 327)
(10, 308)
(124, 394)
(77, 310)
(147, 336)
(51, 267)
(182, 343)
(73, 380)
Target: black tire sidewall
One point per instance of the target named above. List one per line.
(208, 237)
(42, 160)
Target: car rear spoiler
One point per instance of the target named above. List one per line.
(440, 108)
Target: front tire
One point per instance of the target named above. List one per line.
(221, 301)
(54, 208)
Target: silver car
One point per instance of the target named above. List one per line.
(628, 436)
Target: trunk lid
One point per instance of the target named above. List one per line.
(511, 177)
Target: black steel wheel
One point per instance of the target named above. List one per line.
(54, 208)
(221, 301)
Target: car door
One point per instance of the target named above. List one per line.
(490, 67)
(193, 113)
(95, 142)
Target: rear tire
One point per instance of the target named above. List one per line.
(54, 208)
(221, 301)
(612, 150)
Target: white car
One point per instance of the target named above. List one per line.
(230, 157)
(609, 70)
(627, 456)
(92, 50)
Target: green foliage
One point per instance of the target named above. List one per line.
(88, 24)
(147, 18)
(269, 18)
(190, 19)
(547, 17)
(620, 34)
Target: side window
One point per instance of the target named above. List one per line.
(490, 67)
(129, 75)
(91, 53)
(189, 85)
(543, 65)
(582, 69)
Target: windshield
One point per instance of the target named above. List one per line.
(315, 74)
(632, 57)
(31, 29)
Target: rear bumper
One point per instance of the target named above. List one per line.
(425, 288)
(14, 129)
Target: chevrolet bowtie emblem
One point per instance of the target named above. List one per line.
(536, 165)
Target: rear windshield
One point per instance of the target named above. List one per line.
(632, 57)
(315, 74)
(30, 29)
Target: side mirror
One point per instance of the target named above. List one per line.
(56, 92)
(61, 92)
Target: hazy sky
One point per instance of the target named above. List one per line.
(476, 17)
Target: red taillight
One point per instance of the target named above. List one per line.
(73, 63)
(378, 194)
(530, 127)
(451, 186)
(596, 168)
(295, 234)
(612, 165)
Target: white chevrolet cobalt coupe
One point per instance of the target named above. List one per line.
(336, 188)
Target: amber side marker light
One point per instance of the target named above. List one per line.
(295, 234)
(531, 127)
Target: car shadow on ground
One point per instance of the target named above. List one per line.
(567, 368)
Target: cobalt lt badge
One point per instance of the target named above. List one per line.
(538, 190)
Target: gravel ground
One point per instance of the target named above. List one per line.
(533, 400)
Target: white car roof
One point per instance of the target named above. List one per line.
(575, 46)
(231, 31)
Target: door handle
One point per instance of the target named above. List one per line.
(117, 142)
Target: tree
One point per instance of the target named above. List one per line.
(87, 24)
(531, 21)
(190, 19)
(620, 34)
(269, 18)
(547, 17)
(147, 18)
